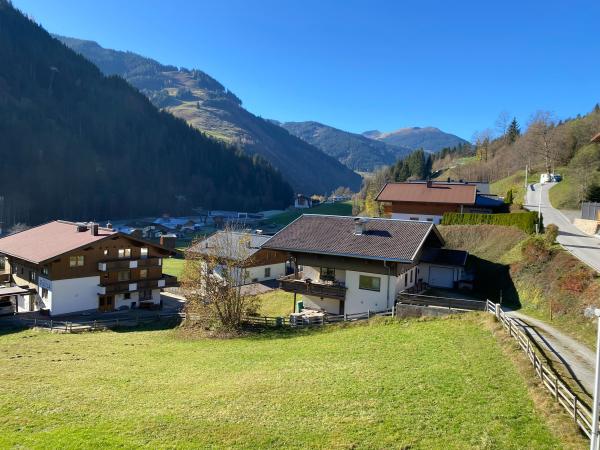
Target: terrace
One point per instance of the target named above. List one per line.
(299, 284)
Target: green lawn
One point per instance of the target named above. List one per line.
(277, 303)
(173, 266)
(334, 209)
(411, 384)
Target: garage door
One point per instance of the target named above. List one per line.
(441, 277)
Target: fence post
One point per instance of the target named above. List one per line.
(368, 313)
(498, 311)
(51, 324)
(345, 316)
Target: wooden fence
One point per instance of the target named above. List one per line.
(579, 411)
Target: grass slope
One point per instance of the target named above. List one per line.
(417, 384)
(173, 266)
(516, 182)
(558, 282)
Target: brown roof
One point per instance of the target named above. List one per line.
(49, 240)
(596, 138)
(461, 194)
(383, 239)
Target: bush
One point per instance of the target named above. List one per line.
(508, 199)
(535, 250)
(593, 193)
(551, 233)
(526, 221)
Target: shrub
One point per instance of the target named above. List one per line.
(551, 233)
(526, 221)
(508, 199)
(535, 250)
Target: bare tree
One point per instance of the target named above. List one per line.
(482, 140)
(502, 123)
(545, 139)
(214, 273)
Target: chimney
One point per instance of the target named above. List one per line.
(109, 225)
(94, 229)
(81, 227)
(360, 225)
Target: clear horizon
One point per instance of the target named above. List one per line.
(358, 66)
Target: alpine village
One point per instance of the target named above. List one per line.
(177, 271)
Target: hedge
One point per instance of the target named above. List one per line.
(526, 221)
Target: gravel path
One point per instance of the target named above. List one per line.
(576, 357)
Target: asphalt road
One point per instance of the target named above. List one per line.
(582, 246)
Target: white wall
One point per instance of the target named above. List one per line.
(408, 279)
(360, 300)
(76, 294)
(330, 305)
(120, 300)
(422, 217)
(258, 272)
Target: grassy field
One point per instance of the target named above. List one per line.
(386, 384)
(277, 303)
(173, 266)
(334, 209)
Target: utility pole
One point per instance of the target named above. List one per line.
(538, 227)
(595, 313)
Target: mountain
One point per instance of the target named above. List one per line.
(208, 106)
(428, 138)
(77, 144)
(354, 150)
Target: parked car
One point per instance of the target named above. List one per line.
(545, 178)
(556, 177)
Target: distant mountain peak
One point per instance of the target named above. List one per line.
(429, 138)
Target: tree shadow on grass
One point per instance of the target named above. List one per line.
(493, 282)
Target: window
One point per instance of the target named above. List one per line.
(124, 253)
(127, 296)
(143, 273)
(123, 275)
(45, 270)
(405, 279)
(2, 264)
(368, 283)
(105, 252)
(144, 252)
(145, 294)
(76, 261)
(411, 275)
(414, 218)
(44, 293)
(32, 276)
(430, 219)
(267, 272)
(327, 274)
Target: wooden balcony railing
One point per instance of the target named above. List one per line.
(129, 263)
(309, 287)
(136, 285)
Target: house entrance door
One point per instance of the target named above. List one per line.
(106, 303)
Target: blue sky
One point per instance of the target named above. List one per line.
(361, 65)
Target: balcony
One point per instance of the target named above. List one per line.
(136, 285)
(123, 264)
(307, 286)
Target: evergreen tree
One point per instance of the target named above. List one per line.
(513, 132)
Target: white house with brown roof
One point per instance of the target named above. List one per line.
(258, 264)
(70, 267)
(354, 265)
(429, 200)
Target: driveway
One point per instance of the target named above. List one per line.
(584, 247)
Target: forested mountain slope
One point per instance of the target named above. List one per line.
(354, 150)
(207, 105)
(76, 144)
